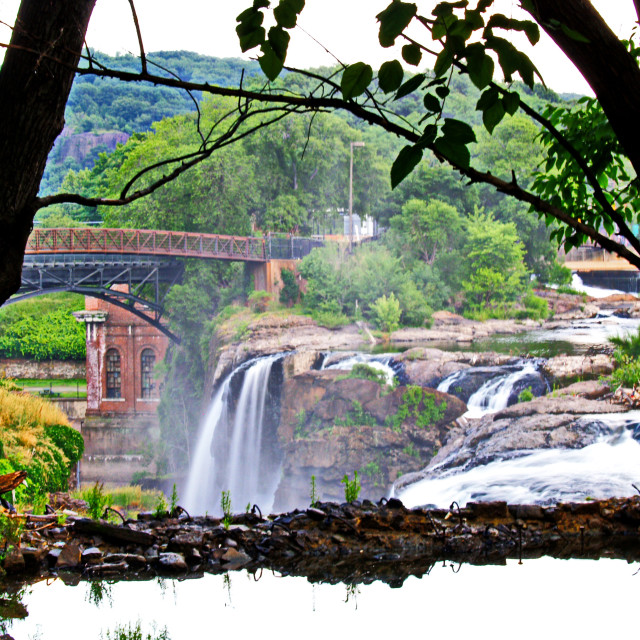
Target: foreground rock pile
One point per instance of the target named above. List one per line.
(349, 542)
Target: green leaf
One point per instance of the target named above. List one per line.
(446, 8)
(404, 164)
(492, 116)
(474, 19)
(390, 76)
(270, 63)
(443, 61)
(480, 65)
(431, 103)
(441, 26)
(247, 14)
(279, 41)
(442, 92)
(428, 135)
(393, 21)
(457, 131)
(260, 4)
(488, 99)
(410, 86)
(456, 153)
(412, 54)
(355, 79)
(511, 102)
(251, 39)
(286, 13)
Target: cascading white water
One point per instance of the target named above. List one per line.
(242, 463)
(609, 467)
(494, 394)
(379, 362)
(450, 380)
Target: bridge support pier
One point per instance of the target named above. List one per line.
(267, 275)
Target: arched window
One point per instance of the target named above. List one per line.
(147, 362)
(114, 379)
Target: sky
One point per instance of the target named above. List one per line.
(347, 28)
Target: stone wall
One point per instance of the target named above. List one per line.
(49, 369)
(115, 447)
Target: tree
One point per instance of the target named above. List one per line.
(45, 48)
(427, 229)
(496, 271)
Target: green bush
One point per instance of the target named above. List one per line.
(526, 395)
(362, 371)
(53, 336)
(537, 308)
(387, 312)
(290, 289)
(67, 439)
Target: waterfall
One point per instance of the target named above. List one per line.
(384, 363)
(494, 394)
(449, 381)
(231, 452)
(606, 468)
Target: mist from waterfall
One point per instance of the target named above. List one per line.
(230, 454)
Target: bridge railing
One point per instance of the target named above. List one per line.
(149, 242)
(169, 243)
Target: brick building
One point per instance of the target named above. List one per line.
(122, 351)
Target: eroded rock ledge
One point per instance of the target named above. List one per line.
(356, 542)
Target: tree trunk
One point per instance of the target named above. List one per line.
(604, 62)
(35, 81)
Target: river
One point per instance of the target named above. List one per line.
(538, 598)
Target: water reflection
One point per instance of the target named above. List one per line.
(532, 599)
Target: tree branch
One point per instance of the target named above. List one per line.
(143, 57)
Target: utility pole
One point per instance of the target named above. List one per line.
(352, 144)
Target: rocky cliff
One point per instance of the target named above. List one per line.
(332, 425)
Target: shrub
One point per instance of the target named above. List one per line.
(526, 395)
(387, 311)
(259, 300)
(290, 289)
(362, 371)
(351, 487)
(55, 335)
(537, 308)
(67, 439)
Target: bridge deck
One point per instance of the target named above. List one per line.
(611, 264)
(147, 242)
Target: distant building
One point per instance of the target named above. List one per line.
(122, 351)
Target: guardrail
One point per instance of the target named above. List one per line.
(146, 242)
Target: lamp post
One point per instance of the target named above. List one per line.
(352, 144)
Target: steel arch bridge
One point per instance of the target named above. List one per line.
(91, 261)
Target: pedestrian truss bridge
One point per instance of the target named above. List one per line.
(91, 261)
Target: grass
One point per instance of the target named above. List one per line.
(55, 382)
(130, 499)
(72, 388)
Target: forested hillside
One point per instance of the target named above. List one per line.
(102, 112)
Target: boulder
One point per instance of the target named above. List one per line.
(331, 426)
(172, 562)
(560, 368)
(69, 556)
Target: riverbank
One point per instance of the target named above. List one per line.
(351, 542)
